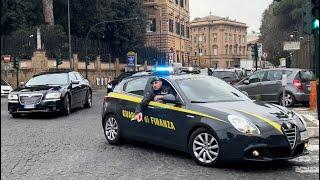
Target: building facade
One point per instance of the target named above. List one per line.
(218, 42)
(168, 29)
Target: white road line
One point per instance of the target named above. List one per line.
(306, 159)
(311, 169)
(313, 147)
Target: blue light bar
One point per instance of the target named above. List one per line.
(162, 69)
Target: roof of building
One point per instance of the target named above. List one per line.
(215, 18)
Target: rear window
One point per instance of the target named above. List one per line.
(306, 76)
(225, 75)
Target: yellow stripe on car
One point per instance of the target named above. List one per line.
(161, 105)
(268, 121)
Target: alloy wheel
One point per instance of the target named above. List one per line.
(111, 128)
(205, 148)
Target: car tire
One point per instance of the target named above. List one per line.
(88, 103)
(112, 130)
(66, 105)
(204, 147)
(16, 115)
(289, 98)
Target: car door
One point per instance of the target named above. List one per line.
(83, 88)
(271, 86)
(254, 87)
(134, 90)
(75, 90)
(165, 121)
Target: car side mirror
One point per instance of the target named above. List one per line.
(22, 84)
(75, 82)
(246, 82)
(245, 93)
(109, 88)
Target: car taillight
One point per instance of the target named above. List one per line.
(297, 83)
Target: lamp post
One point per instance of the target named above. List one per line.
(103, 22)
(69, 37)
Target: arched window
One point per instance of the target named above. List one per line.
(230, 49)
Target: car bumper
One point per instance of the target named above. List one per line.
(269, 148)
(302, 97)
(45, 106)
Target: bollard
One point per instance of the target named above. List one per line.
(313, 95)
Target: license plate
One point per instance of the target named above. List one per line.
(304, 135)
(29, 106)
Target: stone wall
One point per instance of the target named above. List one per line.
(39, 63)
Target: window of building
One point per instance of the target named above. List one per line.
(188, 32)
(195, 39)
(215, 38)
(181, 3)
(235, 38)
(230, 50)
(170, 25)
(226, 49)
(244, 50)
(151, 25)
(178, 28)
(239, 39)
(182, 30)
(177, 2)
(244, 39)
(230, 38)
(226, 37)
(235, 50)
(195, 53)
(240, 50)
(215, 50)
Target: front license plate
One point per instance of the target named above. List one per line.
(29, 106)
(304, 135)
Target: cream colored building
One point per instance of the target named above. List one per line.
(169, 28)
(218, 42)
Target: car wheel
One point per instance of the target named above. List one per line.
(112, 130)
(16, 115)
(288, 99)
(88, 103)
(66, 105)
(204, 147)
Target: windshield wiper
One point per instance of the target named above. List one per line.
(199, 102)
(235, 94)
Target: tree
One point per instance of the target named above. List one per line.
(48, 12)
(278, 22)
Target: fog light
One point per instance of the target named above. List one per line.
(255, 153)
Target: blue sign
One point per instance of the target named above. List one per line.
(131, 60)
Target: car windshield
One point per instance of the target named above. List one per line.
(49, 79)
(225, 75)
(209, 89)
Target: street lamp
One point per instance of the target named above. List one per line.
(92, 27)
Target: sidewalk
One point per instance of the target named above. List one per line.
(311, 119)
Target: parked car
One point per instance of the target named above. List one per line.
(57, 91)
(5, 88)
(118, 79)
(227, 75)
(267, 84)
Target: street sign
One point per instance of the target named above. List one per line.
(291, 46)
(132, 58)
(259, 50)
(171, 55)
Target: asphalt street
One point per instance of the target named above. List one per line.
(50, 146)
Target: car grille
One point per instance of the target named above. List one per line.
(30, 99)
(291, 135)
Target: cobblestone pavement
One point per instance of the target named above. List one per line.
(57, 147)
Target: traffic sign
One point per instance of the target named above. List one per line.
(291, 45)
(259, 45)
(132, 59)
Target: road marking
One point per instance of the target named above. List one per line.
(308, 159)
(311, 169)
(313, 147)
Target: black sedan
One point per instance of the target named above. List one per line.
(57, 91)
(211, 120)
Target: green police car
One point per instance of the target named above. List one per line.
(209, 119)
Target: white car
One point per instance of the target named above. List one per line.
(5, 88)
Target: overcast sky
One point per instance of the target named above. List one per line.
(246, 11)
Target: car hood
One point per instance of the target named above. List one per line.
(266, 115)
(39, 89)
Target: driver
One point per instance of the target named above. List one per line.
(156, 93)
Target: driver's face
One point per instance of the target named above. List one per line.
(156, 85)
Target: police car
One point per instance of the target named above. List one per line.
(209, 119)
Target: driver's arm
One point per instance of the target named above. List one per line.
(147, 97)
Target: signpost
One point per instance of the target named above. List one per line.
(132, 60)
(291, 45)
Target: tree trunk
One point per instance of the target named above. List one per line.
(48, 12)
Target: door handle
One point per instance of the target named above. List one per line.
(151, 107)
(190, 116)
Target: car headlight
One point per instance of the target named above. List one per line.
(54, 95)
(243, 125)
(13, 96)
(300, 117)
